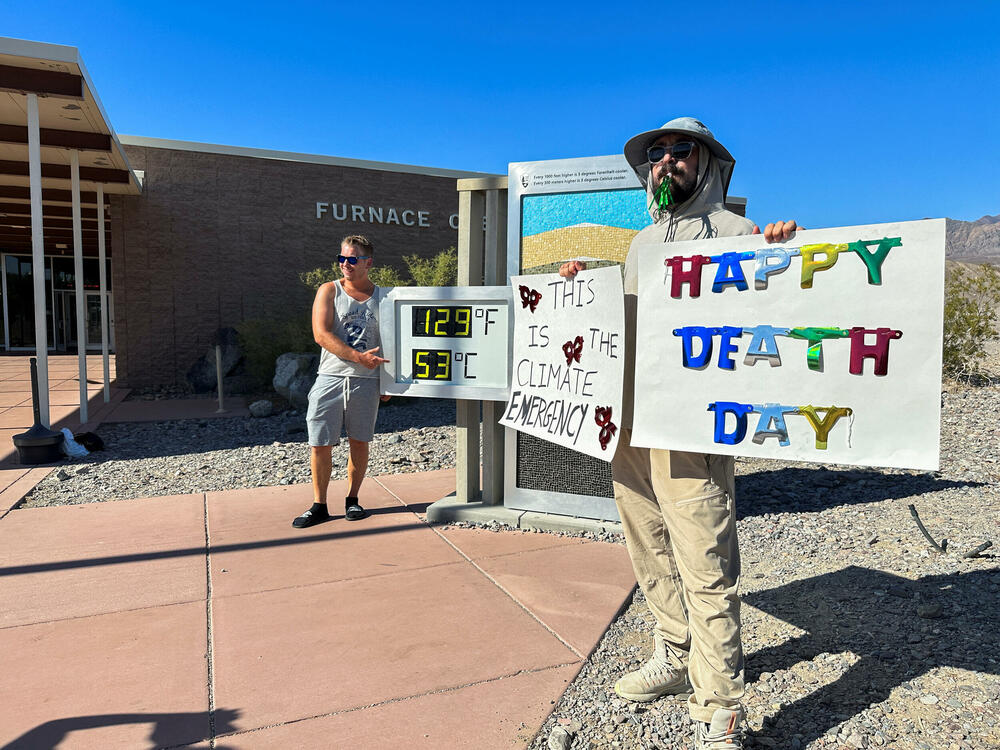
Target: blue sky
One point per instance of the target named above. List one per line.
(839, 113)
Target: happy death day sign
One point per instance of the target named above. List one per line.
(569, 350)
(827, 348)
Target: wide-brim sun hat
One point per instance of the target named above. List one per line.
(635, 148)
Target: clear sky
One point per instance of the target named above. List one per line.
(837, 113)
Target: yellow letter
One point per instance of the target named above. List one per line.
(810, 266)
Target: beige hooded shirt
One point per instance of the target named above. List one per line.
(702, 216)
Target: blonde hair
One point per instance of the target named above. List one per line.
(360, 243)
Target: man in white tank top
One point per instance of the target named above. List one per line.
(345, 325)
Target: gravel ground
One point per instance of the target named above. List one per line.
(150, 459)
(856, 633)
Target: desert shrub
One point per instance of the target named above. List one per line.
(441, 270)
(971, 300)
(315, 278)
(380, 275)
(387, 276)
(263, 340)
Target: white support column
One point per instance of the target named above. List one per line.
(471, 210)
(38, 259)
(81, 323)
(105, 334)
(495, 275)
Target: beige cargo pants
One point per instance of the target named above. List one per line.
(678, 514)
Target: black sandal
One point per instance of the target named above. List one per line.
(353, 510)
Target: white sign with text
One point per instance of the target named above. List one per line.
(568, 363)
(826, 348)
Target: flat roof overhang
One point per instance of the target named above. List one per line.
(71, 118)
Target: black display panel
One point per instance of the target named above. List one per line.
(442, 321)
(432, 364)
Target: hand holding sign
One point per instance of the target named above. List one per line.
(568, 358)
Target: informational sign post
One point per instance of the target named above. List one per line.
(568, 362)
(446, 342)
(827, 348)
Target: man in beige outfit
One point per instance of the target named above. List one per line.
(677, 508)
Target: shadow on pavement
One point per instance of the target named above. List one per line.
(307, 538)
(168, 729)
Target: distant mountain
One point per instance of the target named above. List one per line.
(973, 241)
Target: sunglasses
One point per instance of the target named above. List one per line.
(352, 259)
(679, 151)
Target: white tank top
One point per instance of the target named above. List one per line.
(357, 326)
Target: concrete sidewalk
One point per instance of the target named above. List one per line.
(175, 621)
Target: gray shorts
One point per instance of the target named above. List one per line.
(336, 401)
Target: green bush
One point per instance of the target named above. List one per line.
(380, 275)
(441, 270)
(315, 278)
(264, 340)
(971, 299)
(387, 276)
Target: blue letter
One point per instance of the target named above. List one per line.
(763, 346)
(730, 271)
(688, 334)
(772, 413)
(740, 411)
(763, 269)
(727, 347)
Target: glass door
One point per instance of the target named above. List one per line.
(65, 310)
(93, 308)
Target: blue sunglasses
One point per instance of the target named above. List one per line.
(352, 259)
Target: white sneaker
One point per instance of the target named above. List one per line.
(655, 678)
(724, 733)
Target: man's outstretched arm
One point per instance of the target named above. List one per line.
(324, 319)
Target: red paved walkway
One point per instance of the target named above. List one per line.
(168, 621)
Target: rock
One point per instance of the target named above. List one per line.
(928, 700)
(294, 375)
(559, 739)
(202, 375)
(929, 611)
(61, 475)
(262, 408)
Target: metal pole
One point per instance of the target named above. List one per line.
(81, 323)
(38, 258)
(103, 275)
(218, 376)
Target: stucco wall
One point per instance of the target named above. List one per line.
(217, 239)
